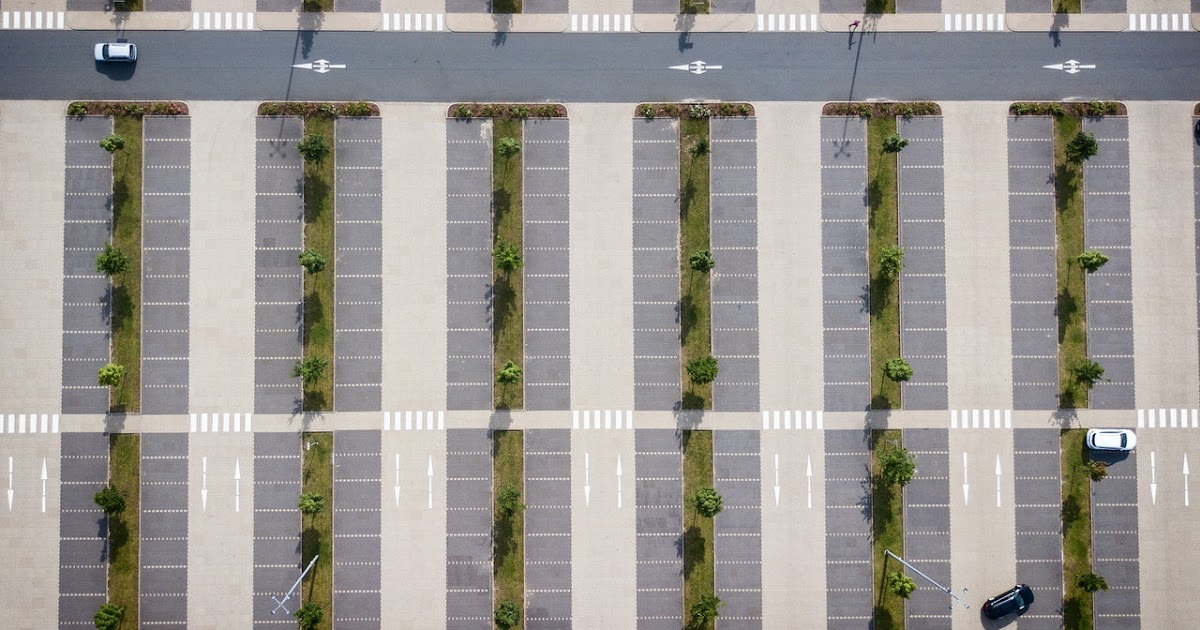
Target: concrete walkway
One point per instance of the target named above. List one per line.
(30, 583)
(793, 529)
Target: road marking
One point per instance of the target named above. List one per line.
(429, 473)
(966, 485)
(10, 479)
(204, 483)
(397, 479)
(424, 421)
(587, 479)
(607, 419)
(776, 479)
(1160, 22)
(414, 22)
(1070, 66)
(604, 23)
(973, 22)
(788, 22)
(320, 66)
(618, 480)
(1153, 481)
(237, 485)
(696, 67)
(1186, 472)
(44, 485)
(809, 471)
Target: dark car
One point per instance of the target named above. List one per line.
(1015, 600)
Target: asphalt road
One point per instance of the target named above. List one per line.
(603, 68)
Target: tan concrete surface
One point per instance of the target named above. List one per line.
(221, 370)
(1168, 539)
(600, 7)
(333, 21)
(714, 23)
(413, 545)
(414, 256)
(224, 5)
(515, 23)
(787, 6)
(603, 534)
(793, 532)
(1163, 234)
(1158, 6)
(413, 6)
(29, 586)
(896, 23)
(973, 6)
(978, 308)
(35, 5)
(983, 542)
(128, 20)
(32, 158)
(1042, 22)
(791, 357)
(601, 190)
(220, 533)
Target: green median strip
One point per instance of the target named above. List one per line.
(319, 240)
(882, 235)
(1068, 6)
(1072, 299)
(124, 474)
(875, 7)
(508, 295)
(508, 560)
(1077, 529)
(887, 529)
(698, 555)
(316, 507)
(127, 286)
(694, 240)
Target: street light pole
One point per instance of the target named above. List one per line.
(288, 595)
(949, 592)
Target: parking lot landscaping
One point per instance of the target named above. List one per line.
(887, 532)
(1077, 528)
(319, 238)
(694, 236)
(698, 537)
(883, 223)
(126, 308)
(508, 231)
(508, 492)
(124, 473)
(316, 453)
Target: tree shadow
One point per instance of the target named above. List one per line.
(501, 25)
(687, 317)
(692, 401)
(310, 546)
(308, 23)
(501, 206)
(1061, 20)
(118, 537)
(1073, 613)
(505, 541)
(315, 187)
(687, 194)
(693, 550)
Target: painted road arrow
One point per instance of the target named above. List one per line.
(966, 486)
(43, 484)
(776, 479)
(1153, 481)
(696, 67)
(998, 480)
(618, 481)
(397, 480)
(320, 66)
(587, 479)
(809, 473)
(10, 488)
(1070, 66)
(1186, 472)
(237, 485)
(204, 483)
(429, 474)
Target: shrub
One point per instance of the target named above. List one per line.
(744, 109)
(703, 370)
(894, 143)
(462, 111)
(898, 369)
(864, 110)
(508, 500)
(1081, 148)
(704, 610)
(1092, 259)
(110, 500)
(111, 261)
(133, 109)
(487, 111)
(112, 142)
(310, 369)
(311, 503)
(1087, 372)
(1091, 582)
(508, 614)
(313, 148)
(77, 109)
(520, 111)
(548, 111)
(109, 616)
(270, 109)
(891, 261)
(905, 110)
(309, 616)
(327, 109)
(111, 374)
(646, 110)
(697, 110)
(671, 110)
(1096, 470)
(708, 501)
(508, 147)
(901, 584)
(897, 466)
(700, 148)
(702, 260)
(357, 108)
(507, 257)
(509, 373)
(311, 260)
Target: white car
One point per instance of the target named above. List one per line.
(116, 52)
(1111, 439)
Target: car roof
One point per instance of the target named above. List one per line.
(1110, 439)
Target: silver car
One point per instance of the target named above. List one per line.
(116, 52)
(1111, 439)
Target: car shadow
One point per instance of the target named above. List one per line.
(1108, 457)
(116, 71)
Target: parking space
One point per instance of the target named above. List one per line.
(1032, 262)
(844, 278)
(1115, 554)
(163, 578)
(468, 264)
(1038, 479)
(848, 565)
(927, 526)
(737, 542)
(656, 375)
(658, 485)
(548, 528)
(87, 227)
(734, 240)
(468, 529)
(166, 262)
(358, 281)
(547, 234)
(1110, 288)
(921, 203)
(82, 529)
(356, 529)
(278, 280)
(277, 525)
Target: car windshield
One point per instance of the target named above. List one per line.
(105, 49)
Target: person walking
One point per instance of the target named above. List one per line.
(854, 24)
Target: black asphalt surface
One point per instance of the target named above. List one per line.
(603, 68)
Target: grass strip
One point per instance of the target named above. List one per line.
(698, 530)
(882, 231)
(507, 6)
(130, 6)
(691, 7)
(318, 287)
(127, 287)
(1068, 6)
(317, 537)
(880, 6)
(694, 231)
(887, 530)
(508, 560)
(317, 6)
(1072, 311)
(1077, 528)
(125, 472)
(508, 294)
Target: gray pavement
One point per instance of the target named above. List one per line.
(1115, 554)
(737, 541)
(547, 245)
(358, 284)
(1196, 204)
(468, 529)
(166, 263)
(921, 204)
(848, 560)
(356, 529)
(1036, 473)
(844, 264)
(468, 264)
(1032, 262)
(163, 584)
(277, 525)
(1109, 289)
(927, 526)
(733, 200)
(82, 529)
(659, 521)
(548, 569)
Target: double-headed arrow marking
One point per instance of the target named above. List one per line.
(43, 484)
(10, 488)
(587, 479)
(204, 483)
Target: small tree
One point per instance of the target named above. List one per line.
(702, 260)
(507, 257)
(1091, 582)
(1087, 372)
(111, 374)
(708, 501)
(508, 614)
(508, 500)
(704, 610)
(1092, 260)
(700, 148)
(1082, 147)
(891, 261)
(508, 147)
(1096, 470)
(111, 261)
(310, 369)
(896, 465)
(109, 616)
(703, 370)
(894, 143)
(309, 616)
(112, 142)
(311, 503)
(110, 500)
(898, 369)
(313, 148)
(312, 260)
(901, 584)
(509, 373)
